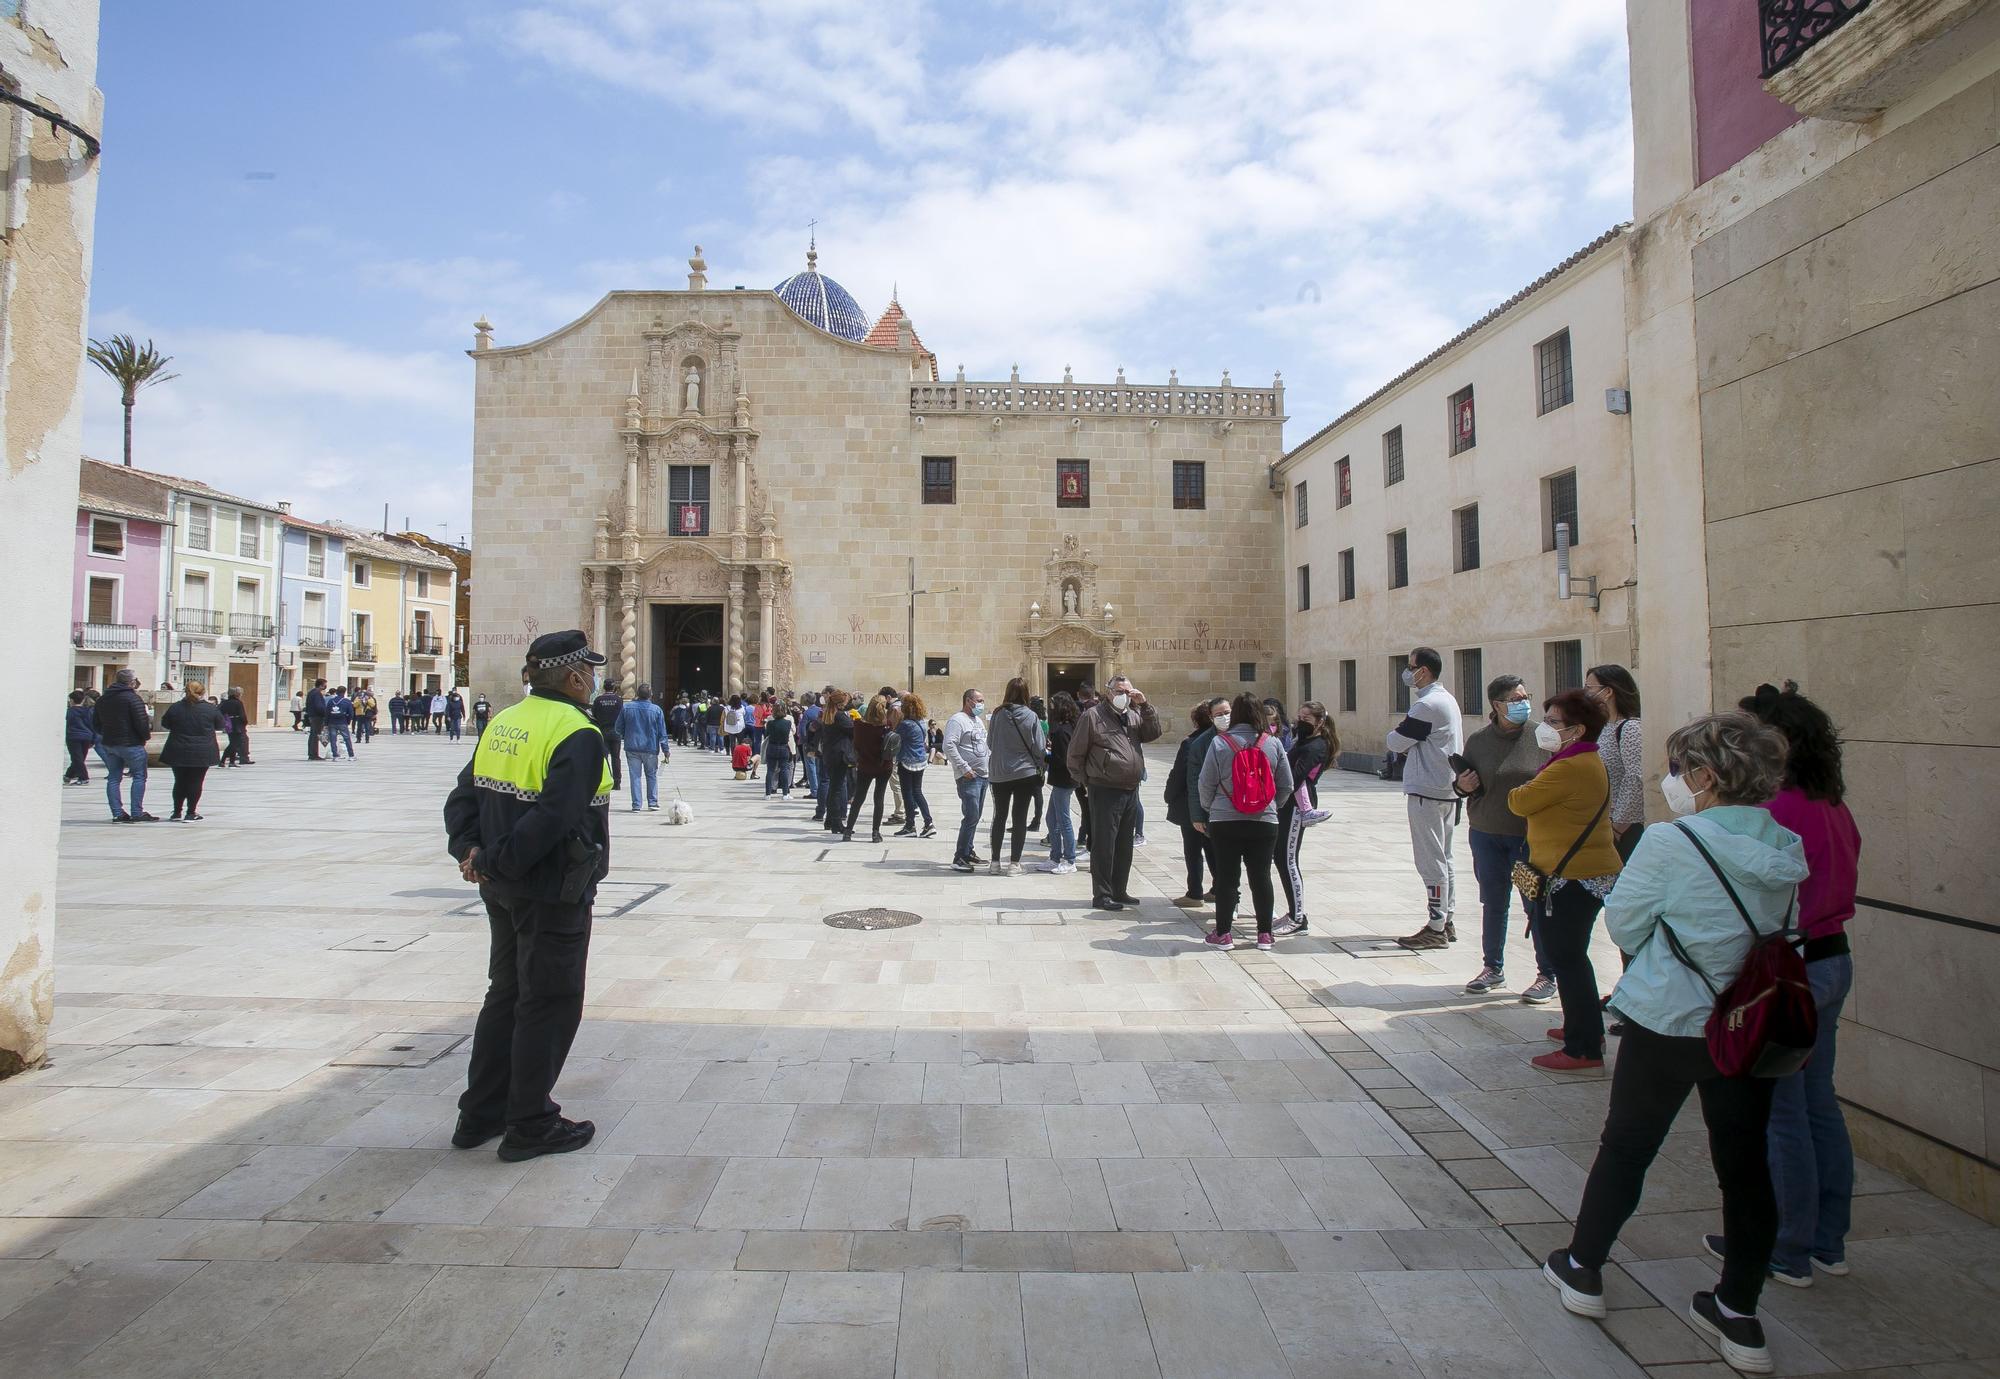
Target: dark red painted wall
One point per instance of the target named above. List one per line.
(1733, 114)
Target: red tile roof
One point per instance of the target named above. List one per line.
(885, 335)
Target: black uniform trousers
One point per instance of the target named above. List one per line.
(534, 1003)
(1114, 818)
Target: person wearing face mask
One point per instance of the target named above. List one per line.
(1314, 747)
(1685, 909)
(965, 751)
(1619, 743)
(1107, 757)
(1184, 798)
(529, 822)
(1500, 756)
(1429, 737)
(1567, 806)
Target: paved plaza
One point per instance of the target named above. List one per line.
(1017, 1138)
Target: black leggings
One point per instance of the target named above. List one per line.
(1012, 796)
(861, 784)
(1240, 845)
(1195, 850)
(913, 795)
(187, 788)
(79, 749)
(1648, 1087)
(1564, 921)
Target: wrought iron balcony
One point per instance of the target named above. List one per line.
(319, 638)
(363, 652)
(104, 636)
(1789, 27)
(250, 627)
(198, 620)
(421, 645)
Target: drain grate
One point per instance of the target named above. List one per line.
(875, 918)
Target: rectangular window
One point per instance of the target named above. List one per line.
(107, 536)
(198, 516)
(316, 556)
(1552, 372)
(941, 479)
(1347, 575)
(1469, 668)
(249, 530)
(1399, 559)
(361, 574)
(1305, 681)
(1246, 671)
(1563, 665)
(1392, 456)
(1559, 505)
(687, 499)
(937, 665)
(1190, 484)
(194, 591)
(1305, 587)
(1400, 695)
(1464, 435)
(1072, 483)
(1299, 503)
(103, 600)
(1465, 538)
(1343, 482)
(1349, 689)
(423, 584)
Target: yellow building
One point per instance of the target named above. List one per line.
(400, 623)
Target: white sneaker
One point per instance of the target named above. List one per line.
(1138, 840)
(1011, 869)
(1053, 868)
(1315, 816)
(1066, 869)
(996, 868)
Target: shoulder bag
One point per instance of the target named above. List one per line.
(1532, 882)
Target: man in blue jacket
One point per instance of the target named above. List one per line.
(643, 730)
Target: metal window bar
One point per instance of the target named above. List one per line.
(198, 620)
(1558, 385)
(688, 499)
(1190, 484)
(940, 475)
(1347, 575)
(1471, 673)
(1463, 418)
(249, 626)
(1299, 503)
(1392, 457)
(1072, 483)
(1468, 538)
(1562, 506)
(1790, 27)
(1399, 559)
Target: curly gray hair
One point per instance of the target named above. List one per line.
(1745, 755)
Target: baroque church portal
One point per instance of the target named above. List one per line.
(727, 489)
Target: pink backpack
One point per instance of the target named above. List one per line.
(1251, 785)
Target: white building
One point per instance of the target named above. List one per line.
(1427, 513)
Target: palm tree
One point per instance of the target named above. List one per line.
(135, 367)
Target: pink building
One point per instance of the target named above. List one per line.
(116, 609)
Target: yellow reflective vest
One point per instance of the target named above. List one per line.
(514, 750)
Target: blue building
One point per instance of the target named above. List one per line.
(312, 607)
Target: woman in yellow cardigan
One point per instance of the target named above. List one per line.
(1567, 806)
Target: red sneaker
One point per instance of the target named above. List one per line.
(1554, 1032)
(1560, 1062)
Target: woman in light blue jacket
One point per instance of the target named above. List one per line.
(1720, 769)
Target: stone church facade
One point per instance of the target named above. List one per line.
(731, 489)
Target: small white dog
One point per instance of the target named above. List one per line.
(680, 813)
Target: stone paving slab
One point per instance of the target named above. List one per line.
(1018, 1138)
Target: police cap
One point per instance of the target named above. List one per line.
(555, 649)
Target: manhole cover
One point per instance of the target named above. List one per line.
(873, 919)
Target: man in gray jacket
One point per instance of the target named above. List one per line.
(1429, 736)
(1107, 758)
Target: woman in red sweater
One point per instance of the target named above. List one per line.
(1812, 1162)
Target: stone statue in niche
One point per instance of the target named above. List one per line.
(1069, 599)
(692, 382)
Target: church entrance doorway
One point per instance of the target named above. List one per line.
(687, 649)
(1065, 676)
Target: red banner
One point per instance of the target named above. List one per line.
(691, 519)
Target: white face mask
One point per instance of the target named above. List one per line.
(1121, 702)
(1221, 722)
(1548, 738)
(1680, 796)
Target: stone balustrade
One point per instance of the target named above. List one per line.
(1226, 403)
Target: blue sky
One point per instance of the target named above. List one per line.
(308, 205)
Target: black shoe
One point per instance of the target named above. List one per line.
(562, 1137)
(1450, 932)
(928, 832)
(122, 819)
(194, 818)
(145, 818)
(1126, 899)
(174, 817)
(1740, 1339)
(904, 833)
(1105, 902)
(976, 859)
(1582, 1289)
(470, 1134)
(875, 837)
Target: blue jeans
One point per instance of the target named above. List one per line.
(1493, 859)
(1062, 828)
(778, 774)
(971, 804)
(644, 765)
(812, 777)
(336, 733)
(1812, 1162)
(117, 762)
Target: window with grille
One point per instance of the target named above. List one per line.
(1347, 575)
(1246, 671)
(1465, 524)
(107, 536)
(1552, 369)
(1464, 434)
(1305, 681)
(940, 479)
(249, 532)
(687, 499)
(1190, 484)
(1399, 559)
(1343, 482)
(198, 517)
(1401, 693)
(1349, 689)
(1559, 505)
(1392, 456)
(316, 556)
(1072, 483)
(1469, 669)
(1563, 665)
(1305, 587)
(1299, 503)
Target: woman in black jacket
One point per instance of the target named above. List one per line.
(190, 748)
(836, 760)
(1194, 844)
(78, 735)
(1315, 744)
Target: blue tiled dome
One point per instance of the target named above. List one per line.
(822, 301)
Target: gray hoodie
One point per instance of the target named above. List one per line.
(1017, 744)
(1218, 769)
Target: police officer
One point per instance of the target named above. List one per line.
(604, 711)
(529, 822)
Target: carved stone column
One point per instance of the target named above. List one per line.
(734, 633)
(628, 642)
(600, 598)
(767, 631)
